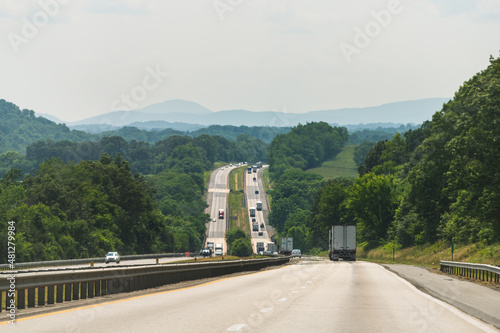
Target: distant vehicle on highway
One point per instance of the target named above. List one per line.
(296, 253)
(221, 213)
(218, 249)
(206, 252)
(112, 256)
(213, 220)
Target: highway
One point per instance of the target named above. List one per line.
(255, 192)
(218, 190)
(312, 296)
(111, 264)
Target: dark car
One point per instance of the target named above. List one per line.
(206, 252)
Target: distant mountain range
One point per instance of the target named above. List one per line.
(177, 114)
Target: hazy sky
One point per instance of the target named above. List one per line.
(81, 58)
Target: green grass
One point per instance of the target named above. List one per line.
(429, 255)
(236, 201)
(341, 166)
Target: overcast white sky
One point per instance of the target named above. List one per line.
(81, 58)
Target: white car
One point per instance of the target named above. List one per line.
(296, 253)
(112, 256)
(218, 252)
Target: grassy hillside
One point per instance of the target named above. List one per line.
(430, 255)
(341, 166)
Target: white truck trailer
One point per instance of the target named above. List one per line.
(286, 245)
(342, 242)
(259, 205)
(252, 211)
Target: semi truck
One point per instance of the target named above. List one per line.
(259, 205)
(252, 211)
(286, 245)
(271, 247)
(249, 169)
(342, 242)
(255, 227)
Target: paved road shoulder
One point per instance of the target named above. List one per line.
(479, 301)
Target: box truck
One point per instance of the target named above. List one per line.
(342, 242)
(252, 211)
(259, 205)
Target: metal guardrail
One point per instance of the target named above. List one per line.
(64, 286)
(89, 260)
(474, 271)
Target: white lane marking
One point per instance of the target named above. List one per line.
(266, 310)
(309, 282)
(236, 327)
(295, 292)
(303, 287)
(282, 299)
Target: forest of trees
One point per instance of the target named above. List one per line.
(82, 199)
(304, 147)
(438, 182)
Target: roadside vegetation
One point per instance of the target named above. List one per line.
(431, 255)
(342, 165)
(236, 199)
(238, 236)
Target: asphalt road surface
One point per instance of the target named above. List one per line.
(218, 190)
(313, 296)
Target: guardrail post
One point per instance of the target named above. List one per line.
(67, 292)
(98, 288)
(83, 293)
(7, 300)
(76, 291)
(21, 299)
(50, 295)
(91, 289)
(59, 295)
(105, 287)
(31, 297)
(41, 296)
